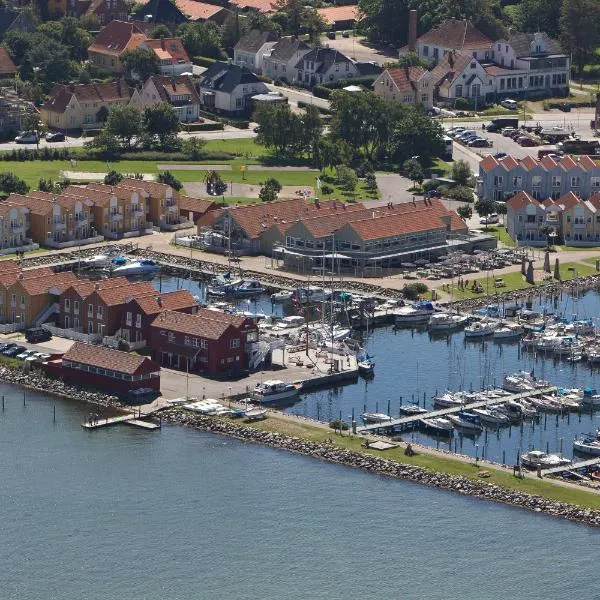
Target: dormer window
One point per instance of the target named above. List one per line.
(473, 65)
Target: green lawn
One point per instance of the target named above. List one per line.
(499, 231)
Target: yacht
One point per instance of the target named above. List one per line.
(419, 312)
(491, 416)
(222, 285)
(522, 382)
(311, 294)
(366, 367)
(370, 418)
(588, 445)
(290, 322)
(250, 287)
(273, 390)
(446, 321)
(98, 261)
(144, 266)
(439, 425)
(508, 331)
(408, 410)
(536, 458)
(590, 397)
(281, 296)
(466, 421)
(481, 329)
(449, 399)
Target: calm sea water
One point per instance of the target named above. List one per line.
(178, 514)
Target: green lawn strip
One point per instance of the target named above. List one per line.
(591, 261)
(583, 270)
(578, 248)
(500, 233)
(530, 484)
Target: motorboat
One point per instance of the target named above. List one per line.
(273, 390)
(370, 418)
(439, 425)
(536, 458)
(508, 331)
(446, 321)
(449, 399)
(255, 413)
(311, 294)
(366, 367)
(590, 397)
(588, 445)
(144, 266)
(491, 416)
(466, 421)
(481, 329)
(250, 287)
(408, 410)
(515, 410)
(98, 261)
(522, 382)
(223, 285)
(419, 312)
(281, 296)
(290, 322)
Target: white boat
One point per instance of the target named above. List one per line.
(588, 445)
(508, 331)
(449, 399)
(491, 416)
(273, 390)
(590, 397)
(438, 425)
(419, 312)
(462, 422)
(366, 367)
(255, 413)
(536, 458)
(98, 261)
(281, 296)
(372, 418)
(250, 287)
(446, 321)
(481, 329)
(412, 409)
(522, 382)
(223, 285)
(144, 266)
(311, 294)
(290, 322)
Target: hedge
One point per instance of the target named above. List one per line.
(238, 124)
(264, 78)
(323, 111)
(203, 61)
(204, 126)
(321, 92)
(366, 81)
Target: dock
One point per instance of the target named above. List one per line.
(128, 419)
(572, 467)
(403, 421)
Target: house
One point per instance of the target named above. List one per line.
(408, 85)
(104, 10)
(543, 178)
(14, 229)
(137, 314)
(462, 76)
(105, 369)
(14, 20)
(14, 112)
(113, 41)
(193, 209)
(340, 17)
(228, 89)
(211, 342)
(280, 62)
(453, 36)
(201, 12)
(171, 54)
(251, 48)
(116, 213)
(83, 106)
(262, 6)
(179, 92)
(7, 66)
(166, 12)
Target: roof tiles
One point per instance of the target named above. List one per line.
(205, 323)
(107, 358)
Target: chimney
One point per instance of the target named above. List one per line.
(97, 285)
(412, 30)
(21, 275)
(162, 42)
(159, 301)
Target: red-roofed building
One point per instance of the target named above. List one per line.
(104, 10)
(201, 12)
(263, 6)
(116, 38)
(340, 17)
(408, 85)
(211, 342)
(7, 66)
(173, 58)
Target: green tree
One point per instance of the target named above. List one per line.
(201, 39)
(501, 209)
(233, 29)
(160, 31)
(415, 134)
(465, 212)
(410, 59)
(113, 177)
(346, 178)
(48, 61)
(139, 64)
(413, 170)
(18, 43)
(332, 152)
(485, 207)
(580, 30)
(279, 128)
(193, 148)
(125, 123)
(269, 190)
(540, 15)
(10, 183)
(161, 121)
(312, 130)
(168, 178)
(461, 173)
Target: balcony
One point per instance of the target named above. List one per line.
(115, 216)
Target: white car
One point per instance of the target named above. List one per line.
(26, 354)
(489, 220)
(510, 104)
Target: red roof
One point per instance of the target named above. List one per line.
(107, 358)
(177, 300)
(520, 200)
(197, 205)
(210, 324)
(332, 15)
(406, 78)
(198, 11)
(7, 66)
(170, 49)
(112, 296)
(61, 95)
(456, 35)
(36, 286)
(117, 37)
(265, 6)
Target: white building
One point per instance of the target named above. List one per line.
(251, 49)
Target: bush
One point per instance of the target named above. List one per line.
(113, 178)
(364, 168)
(264, 78)
(366, 81)
(168, 178)
(238, 124)
(326, 189)
(323, 111)
(203, 61)
(463, 104)
(321, 92)
(432, 184)
(203, 126)
(412, 291)
(339, 425)
(464, 194)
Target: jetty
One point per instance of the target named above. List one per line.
(404, 421)
(590, 462)
(128, 419)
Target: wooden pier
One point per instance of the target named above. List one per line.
(572, 467)
(128, 419)
(403, 421)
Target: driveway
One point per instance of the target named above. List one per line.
(358, 49)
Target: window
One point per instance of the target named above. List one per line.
(459, 91)
(595, 182)
(575, 181)
(171, 336)
(555, 181)
(517, 182)
(100, 312)
(163, 332)
(90, 310)
(498, 180)
(536, 180)
(423, 98)
(187, 341)
(76, 307)
(425, 50)
(203, 344)
(22, 301)
(138, 321)
(128, 319)
(234, 343)
(230, 359)
(67, 305)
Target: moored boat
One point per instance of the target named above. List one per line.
(446, 321)
(366, 367)
(273, 390)
(481, 329)
(250, 287)
(409, 410)
(145, 266)
(536, 458)
(439, 425)
(371, 418)
(419, 312)
(466, 421)
(491, 416)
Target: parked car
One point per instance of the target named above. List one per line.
(500, 155)
(433, 194)
(526, 142)
(28, 137)
(510, 104)
(140, 392)
(489, 220)
(507, 131)
(479, 143)
(55, 137)
(565, 107)
(23, 355)
(14, 350)
(6, 346)
(346, 34)
(37, 334)
(331, 35)
(515, 135)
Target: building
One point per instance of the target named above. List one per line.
(252, 47)
(202, 12)
(13, 113)
(262, 6)
(179, 92)
(340, 17)
(501, 179)
(83, 106)
(193, 209)
(104, 10)
(15, 20)
(280, 62)
(14, 229)
(173, 58)
(137, 314)
(228, 89)
(113, 41)
(408, 85)
(106, 369)
(210, 342)
(7, 66)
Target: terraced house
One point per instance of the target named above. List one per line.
(14, 228)
(501, 179)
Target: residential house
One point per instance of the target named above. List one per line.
(192, 209)
(252, 47)
(7, 66)
(106, 369)
(202, 12)
(262, 6)
(280, 62)
(104, 10)
(137, 315)
(13, 113)
(210, 342)
(340, 17)
(167, 12)
(113, 41)
(14, 229)
(10, 272)
(84, 106)
(408, 85)
(173, 58)
(15, 20)
(116, 212)
(500, 179)
(228, 89)
(179, 92)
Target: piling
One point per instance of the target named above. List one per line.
(54, 416)
(503, 457)
(23, 398)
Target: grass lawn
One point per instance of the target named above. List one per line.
(500, 232)
(530, 484)
(244, 147)
(591, 261)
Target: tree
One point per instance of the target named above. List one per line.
(193, 147)
(279, 128)
(113, 177)
(139, 64)
(465, 212)
(413, 170)
(201, 39)
(11, 184)
(168, 178)
(547, 230)
(269, 190)
(160, 31)
(233, 30)
(540, 15)
(580, 30)
(485, 207)
(18, 44)
(47, 60)
(332, 152)
(461, 173)
(346, 178)
(124, 122)
(415, 134)
(501, 209)
(312, 130)
(161, 121)
(410, 59)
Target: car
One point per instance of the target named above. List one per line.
(14, 350)
(479, 143)
(500, 155)
(433, 194)
(467, 135)
(37, 357)
(37, 334)
(331, 35)
(515, 135)
(526, 142)
(55, 137)
(23, 355)
(510, 104)
(489, 220)
(507, 131)
(455, 129)
(565, 107)
(6, 346)
(29, 137)
(140, 392)
(346, 34)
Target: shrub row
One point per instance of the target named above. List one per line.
(366, 81)
(321, 92)
(323, 111)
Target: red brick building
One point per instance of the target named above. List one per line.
(137, 314)
(106, 369)
(208, 341)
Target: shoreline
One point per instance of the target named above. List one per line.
(324, 450)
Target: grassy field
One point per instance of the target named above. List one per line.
(530, 484)
(499, 231)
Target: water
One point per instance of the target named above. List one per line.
(180, 514)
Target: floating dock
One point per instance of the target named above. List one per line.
(129, 419)
(572, 467)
